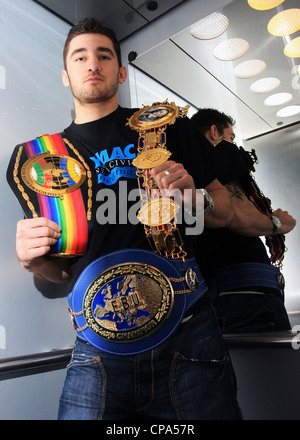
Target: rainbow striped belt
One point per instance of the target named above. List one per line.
(55, 177)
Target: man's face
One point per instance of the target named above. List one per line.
(228, 133)
(92, 70)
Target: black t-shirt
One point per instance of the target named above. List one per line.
(217, 248)
(108, 146)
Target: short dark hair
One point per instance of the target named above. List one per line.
(92, 26)
(206, 117)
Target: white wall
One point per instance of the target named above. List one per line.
(33, 101)
(277, 174)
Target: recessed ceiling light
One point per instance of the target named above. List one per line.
(288, 111)
(285, 23)
(249, 69)
(210, 27)
(292, 49)
(263, 5)
(231, 49)
(278, 99)
(265, 85)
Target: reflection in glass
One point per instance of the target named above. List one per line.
(210, 27)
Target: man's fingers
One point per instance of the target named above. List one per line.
(38, 227)
(34, 237)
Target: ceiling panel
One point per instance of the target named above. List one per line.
(124, 16)
(152, 9)
(206, 81)
(188, 79)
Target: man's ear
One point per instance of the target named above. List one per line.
(214, 133)
(122, 74)
(65, 78)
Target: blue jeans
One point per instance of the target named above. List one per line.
(188, 377)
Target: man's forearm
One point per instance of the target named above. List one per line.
(221, 215)
(49, 269)
(249, 221)
(252, 224)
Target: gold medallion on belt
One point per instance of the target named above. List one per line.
(158, 212)
(151, 158)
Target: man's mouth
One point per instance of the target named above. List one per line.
(94, 79)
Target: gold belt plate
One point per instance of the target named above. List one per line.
(128, 302)
(158, 212)
(156, 115)
(52, 174)
(151, 158)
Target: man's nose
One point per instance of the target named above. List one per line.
(94, 64)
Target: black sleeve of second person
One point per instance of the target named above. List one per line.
(195, 152)
(237, 169)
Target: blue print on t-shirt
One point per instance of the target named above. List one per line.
(116, 173)
(110, 167)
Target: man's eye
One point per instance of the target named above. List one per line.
(79, 59)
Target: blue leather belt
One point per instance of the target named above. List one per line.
(132, 300)
(247, 275)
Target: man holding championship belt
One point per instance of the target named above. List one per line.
(148, 345)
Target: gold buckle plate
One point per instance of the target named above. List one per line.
(52, 174)
(128, 302)
(156, 115)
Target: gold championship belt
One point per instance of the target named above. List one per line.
(157, 211)
(50, 178)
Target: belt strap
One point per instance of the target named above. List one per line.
(68, 212)
(247, 275)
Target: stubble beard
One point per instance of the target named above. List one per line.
(95, 94)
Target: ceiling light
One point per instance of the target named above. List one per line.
(249, 69)
(231, 49)
(292, 49)
(210, 27)
(285, 23)
(265, 85)
(263, 5)
(288, 111)
(278, 99)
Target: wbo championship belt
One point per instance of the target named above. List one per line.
(132, 300)
(51, 179)
(157, 211)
